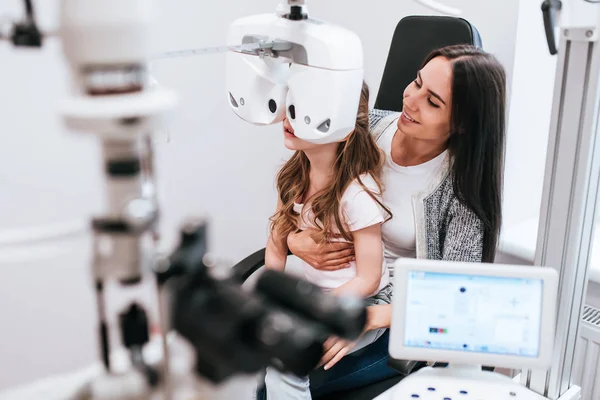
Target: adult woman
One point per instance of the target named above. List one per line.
(443, 184)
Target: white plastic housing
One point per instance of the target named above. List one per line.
(325, 102)
(327, 46)
(579, 14)
(252, 83)
(113, 36)
(323, 82)
(450, 383)
(106, 31)
(122, 116)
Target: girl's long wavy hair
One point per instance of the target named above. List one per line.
(358, 154)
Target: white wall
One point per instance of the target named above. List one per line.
(48, 175)
(529, 117)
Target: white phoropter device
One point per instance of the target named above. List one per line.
(469, 315)
(311, 72)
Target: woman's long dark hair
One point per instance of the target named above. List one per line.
(477, 135)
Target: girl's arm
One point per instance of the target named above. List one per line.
(335, 349)
(276, 249)
(368, 249)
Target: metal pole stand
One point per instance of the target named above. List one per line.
(569, 200)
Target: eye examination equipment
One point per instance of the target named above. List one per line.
(312, 73)
(227, 331)
(469, 315)
(269, 60)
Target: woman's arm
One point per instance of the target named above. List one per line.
(379, 316)
(276, 249)
(369, 258)
(324, 257)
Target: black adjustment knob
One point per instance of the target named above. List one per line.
(26, 35)
(549, 10)
(123, 168)
(296, 14)
(192, 231)
(134, 326)
(188, 257)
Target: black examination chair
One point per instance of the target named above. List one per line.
(414, 38)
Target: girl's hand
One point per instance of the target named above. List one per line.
(325, 257)
(334, 350)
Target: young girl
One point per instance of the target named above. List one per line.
(334, 189)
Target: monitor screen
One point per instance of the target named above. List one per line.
(482, 314)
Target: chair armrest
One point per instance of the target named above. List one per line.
(250, 264)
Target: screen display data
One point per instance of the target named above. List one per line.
(482, 314)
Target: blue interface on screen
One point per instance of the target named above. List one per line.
(482, 314)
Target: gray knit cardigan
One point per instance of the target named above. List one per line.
(445, 228)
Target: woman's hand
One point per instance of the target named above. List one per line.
(325, 257)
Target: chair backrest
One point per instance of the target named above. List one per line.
(414, 38)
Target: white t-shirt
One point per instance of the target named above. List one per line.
(360, 211)
(401, 183)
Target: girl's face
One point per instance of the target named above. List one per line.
(427, 102)
(294, 143)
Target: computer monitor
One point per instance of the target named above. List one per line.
(471, 313)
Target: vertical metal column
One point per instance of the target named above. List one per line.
(569, 197)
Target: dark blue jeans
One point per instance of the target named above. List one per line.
(363, 367)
